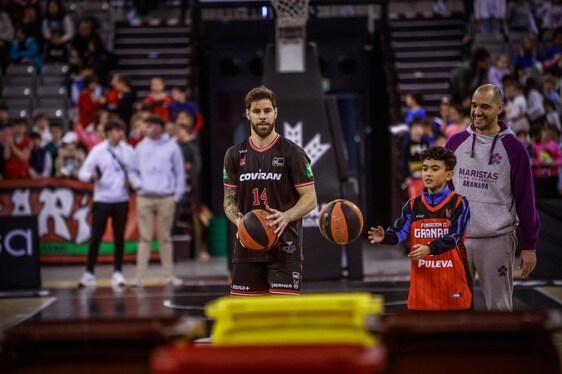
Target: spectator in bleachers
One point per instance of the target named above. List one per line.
(77, 84)
(158, 98)
(55, 52)
(515, 108)
(70, 157)
(17, 150)
(41, 126)
(471, 75)
(137, 127)
(519, 17)
(527, 58)
(56, 18)
(439, 123)
(55, 144)
(94, 133)
(499, 70)
(414, 102)
(112, 95)
(90, 101)
(552, 116)
(7, 34)
(547, 159)
(550, 14)
(171, 130)
(185, 120)
(40, 161)
(17, 8)
(31, 23)
(457, 121)
(525, 139)
(549, 86)
(126, 98)
(489, 14)
(82, 39)
(413, 144)
(25, 50)
(535, 102)
(2, 161)
(552, 60)
(182, 102)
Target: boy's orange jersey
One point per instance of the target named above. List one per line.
(440, 282)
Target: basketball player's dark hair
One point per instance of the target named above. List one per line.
(440, 154)
(260, 93)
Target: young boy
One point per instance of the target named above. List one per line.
(436, 222)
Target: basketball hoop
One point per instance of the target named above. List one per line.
(290, 34)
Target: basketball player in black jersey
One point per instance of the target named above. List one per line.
(266, 171)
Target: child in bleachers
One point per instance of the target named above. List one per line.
(549, 83)
(26, 50)
(547, 159)
(41, 126)
(414, 101)
(90, 101)
(158, 99)
(535, 102)
(55, 52)
(40, 162)
(552, 116)
(456, 116)
(70, 157)
(498, 71)
(439, 123)
(516, 107)
(413, 144)
(17, 150)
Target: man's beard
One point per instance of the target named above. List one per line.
(263, 133)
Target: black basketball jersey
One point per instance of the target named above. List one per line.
(269, 176)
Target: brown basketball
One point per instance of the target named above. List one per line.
(340, 221)
(254, 233)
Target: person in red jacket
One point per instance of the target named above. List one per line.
(158, 98)
(89, 101)
(17, 151)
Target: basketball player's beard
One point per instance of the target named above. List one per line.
(263, 133)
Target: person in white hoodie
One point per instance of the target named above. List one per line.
(108, 165)
(158, 177)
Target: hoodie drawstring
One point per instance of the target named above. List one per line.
(493, 146)
(473, 143)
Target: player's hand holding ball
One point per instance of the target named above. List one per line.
(254, 231)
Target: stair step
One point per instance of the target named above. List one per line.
(154, 61)
(434, 44)
(153, 52)
(147, 30)
(141, 73)
(434, 23)
(429, 54)
(404, 87)
(419, 75)
(180, 40)
(428, 34)
(427, 66)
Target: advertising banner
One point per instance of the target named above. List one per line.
(62, 207)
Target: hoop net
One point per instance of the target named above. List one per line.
(291, 12)
(291, 34)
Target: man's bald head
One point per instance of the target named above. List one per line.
(496, 92)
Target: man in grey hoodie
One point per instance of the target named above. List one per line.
(494, 173)
(158, 177)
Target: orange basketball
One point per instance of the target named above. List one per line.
(340, 221)
(253, 231)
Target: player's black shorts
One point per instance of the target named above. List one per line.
(265, 278)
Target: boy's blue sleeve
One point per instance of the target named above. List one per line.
(401, 229)
(459, 223)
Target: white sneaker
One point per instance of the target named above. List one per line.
(137, 283)
(118, 280)
(174, 281)
(88, 280)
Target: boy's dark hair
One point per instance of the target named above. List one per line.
(417, 121)
(155, 119)
(114, 123)
(260, 93)
(19, 121)
(35, 135)
(440, 154)
(56, 124)
(39, 116)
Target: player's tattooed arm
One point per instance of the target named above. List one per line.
(230, 204)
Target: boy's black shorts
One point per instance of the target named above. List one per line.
(264, 278)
